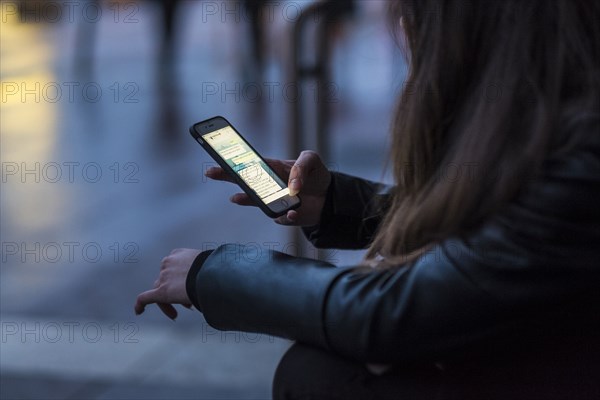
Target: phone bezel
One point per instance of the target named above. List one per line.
(201, 128)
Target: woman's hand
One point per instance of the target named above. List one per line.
(169, 288)
(306, 176)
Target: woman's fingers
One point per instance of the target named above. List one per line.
(242, 199)
(145, 298)
(153, 296)
(168, 310)
(295, 185)
(218, 174)
(291, 218)
(295, 179)
(305, 173)
(169, 288)
(307, 161)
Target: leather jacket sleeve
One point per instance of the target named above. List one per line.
(531, 268)
(352, 212)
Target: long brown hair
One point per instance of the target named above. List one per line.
(489, 84)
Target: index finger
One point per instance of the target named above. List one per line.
(218, 174)
(145, 298)
(151, 297)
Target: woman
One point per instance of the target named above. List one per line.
(481, 277)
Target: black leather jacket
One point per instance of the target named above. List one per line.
(512, 309)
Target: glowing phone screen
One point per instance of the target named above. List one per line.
(247, 164)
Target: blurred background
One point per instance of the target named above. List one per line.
(101, 179)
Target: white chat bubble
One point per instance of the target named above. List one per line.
(232, 151)
(244, 158)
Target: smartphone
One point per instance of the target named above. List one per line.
(251, 172)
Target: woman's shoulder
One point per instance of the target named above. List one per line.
(556, 214)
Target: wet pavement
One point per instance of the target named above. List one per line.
(100, 180)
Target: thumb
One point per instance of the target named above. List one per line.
(296, 178)
(306, 160)
(295, 182)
